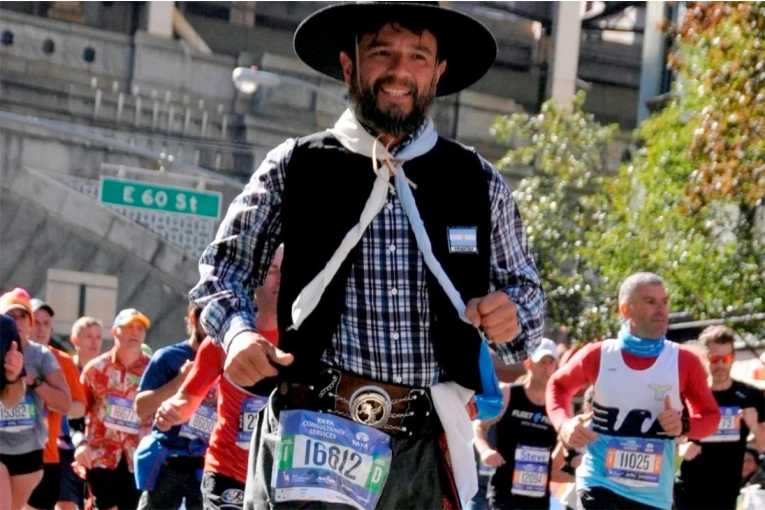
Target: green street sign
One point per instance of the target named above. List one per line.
(144, 195)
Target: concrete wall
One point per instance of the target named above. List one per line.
(142, 60)
(46, 225)
(170, 65)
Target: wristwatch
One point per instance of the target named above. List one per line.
(37, 382)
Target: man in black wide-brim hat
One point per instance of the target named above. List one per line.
(402, 252)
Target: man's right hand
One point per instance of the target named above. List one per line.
(574, 432)
(251, 357)
(492, 458)
(169, 413)
(82, 456)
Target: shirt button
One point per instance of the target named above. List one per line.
(395, 336)
(389, 206)
(392, 248)
(398, 379)
(394, 291)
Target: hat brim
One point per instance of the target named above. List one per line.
(467, 46)
(140, 318)
(46, 307)
(538, 355)
(15, 306)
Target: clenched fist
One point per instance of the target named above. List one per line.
(496, 314)
(251, 357)
(575, 434)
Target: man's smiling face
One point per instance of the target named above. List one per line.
(396, 82)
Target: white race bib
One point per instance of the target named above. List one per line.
(120, 415)
(729, 429)
(532, 465)
(322, 457)
(200, 425)
(248, 418)
(635, 462)
(20, 417)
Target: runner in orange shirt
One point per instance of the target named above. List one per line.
(113, 428)
(226, 459)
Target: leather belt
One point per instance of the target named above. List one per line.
(400, 411)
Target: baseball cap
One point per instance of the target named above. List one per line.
(16, 299)
(130, 314)
(39, 303)
(546, 348)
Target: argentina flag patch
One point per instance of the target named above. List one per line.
(463, 239)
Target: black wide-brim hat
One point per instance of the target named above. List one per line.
(467, 46)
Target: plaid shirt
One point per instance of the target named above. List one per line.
(383, 335)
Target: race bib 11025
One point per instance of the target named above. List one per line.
(634, 462)
(322, 457)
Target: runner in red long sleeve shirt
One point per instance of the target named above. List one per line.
(641, 382)
(226, 460)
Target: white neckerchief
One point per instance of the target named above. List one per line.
(449, 399)
(356, 139)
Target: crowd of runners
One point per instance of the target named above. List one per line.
(367, 332)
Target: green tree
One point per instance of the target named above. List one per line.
(566, 147)
(687, 206)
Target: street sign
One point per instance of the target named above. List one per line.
(144, 195)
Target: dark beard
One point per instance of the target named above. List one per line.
(395, 122)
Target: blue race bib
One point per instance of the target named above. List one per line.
(248, 418)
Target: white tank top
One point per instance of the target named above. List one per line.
(633, 399)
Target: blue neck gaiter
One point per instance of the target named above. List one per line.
(637, 346)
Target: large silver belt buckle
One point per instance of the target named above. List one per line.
(370, 405)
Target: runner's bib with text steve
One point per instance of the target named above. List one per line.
(322, 457)
(729, 429)
(20, 417)
(200, 425)
(120, 415)
(248, 417)
(532, 463)
(634, 462)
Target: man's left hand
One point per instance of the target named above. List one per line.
(749, 415)
(496, 314)
(670, 419)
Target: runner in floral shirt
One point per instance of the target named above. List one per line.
(113, 428)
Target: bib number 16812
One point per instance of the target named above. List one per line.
(344, 461)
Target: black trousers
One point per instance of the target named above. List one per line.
(599, 498)
(418, 477)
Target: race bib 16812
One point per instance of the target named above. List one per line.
(327, 458)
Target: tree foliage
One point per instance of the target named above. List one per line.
(566, 146)
(686, 206)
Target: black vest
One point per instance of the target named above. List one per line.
(326, 187)
(524, 423)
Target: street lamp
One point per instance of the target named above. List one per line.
(247, 80)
